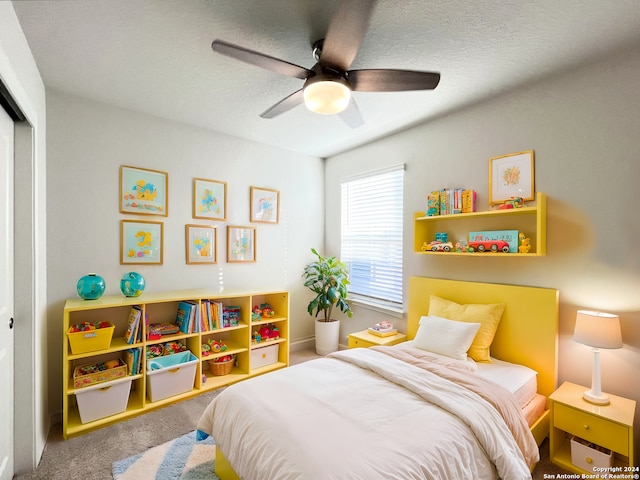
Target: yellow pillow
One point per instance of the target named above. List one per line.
(488, 316)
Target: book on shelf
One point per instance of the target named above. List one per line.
(132, 357)
(468, 201)
(433, 204)
(133, 324)
(231, 316)
(184, 316)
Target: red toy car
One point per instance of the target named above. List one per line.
(491, 245)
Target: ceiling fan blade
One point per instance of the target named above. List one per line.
(284, 105)
(346, 31)
(260, 60)
(351, 115)
(384, 80)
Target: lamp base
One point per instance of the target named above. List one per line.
(601, 399)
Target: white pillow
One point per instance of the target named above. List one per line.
(445, 337)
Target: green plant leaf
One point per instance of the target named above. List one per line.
(328, 278)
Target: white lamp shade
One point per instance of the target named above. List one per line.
(597, 329)
(327, 96)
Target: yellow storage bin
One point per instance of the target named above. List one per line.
(90, 340)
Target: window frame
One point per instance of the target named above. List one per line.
(393, 304)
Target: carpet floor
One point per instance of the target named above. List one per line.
(91, 456)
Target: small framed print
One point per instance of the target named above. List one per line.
(209, 199)
(141, 242)
(241, 244)
(201, 244)
(265, 205)
(511, 175)
(143, 191)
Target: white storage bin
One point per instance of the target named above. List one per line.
(263, 356)
(586, 457)
(170, 375)
(103, 399)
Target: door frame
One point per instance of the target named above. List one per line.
(30, 397)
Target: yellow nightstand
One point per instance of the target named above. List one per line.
(609, 426)
(366, 339)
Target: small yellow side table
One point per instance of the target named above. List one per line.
(366, 339)
(609, 426)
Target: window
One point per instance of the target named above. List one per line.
(371, 242)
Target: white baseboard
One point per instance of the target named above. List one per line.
(304, 344)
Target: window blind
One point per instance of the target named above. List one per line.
(371, 238)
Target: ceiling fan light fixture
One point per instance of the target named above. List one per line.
(326, 96)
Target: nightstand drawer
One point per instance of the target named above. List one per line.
(355, 342)
(592, 428)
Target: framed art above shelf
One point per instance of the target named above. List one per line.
(529, 220)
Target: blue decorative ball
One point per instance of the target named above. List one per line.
(91, 286)
(132, 284)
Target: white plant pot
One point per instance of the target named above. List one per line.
(327, 336)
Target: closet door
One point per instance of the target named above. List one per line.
(6, 296)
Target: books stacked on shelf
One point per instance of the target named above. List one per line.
(188, 317)
(134, 330)
(383, 329)
(211, 315)
(450, 201)
(133, 359)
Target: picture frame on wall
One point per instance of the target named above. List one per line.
(241, 244)
(510, 176)
(209, 199)
(141, 242)
(265, 205)
(143, 191)
(201, 244)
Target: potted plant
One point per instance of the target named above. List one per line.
(328, 278)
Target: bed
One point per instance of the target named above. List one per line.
(401, 412)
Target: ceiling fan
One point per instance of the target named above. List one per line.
(329, 83)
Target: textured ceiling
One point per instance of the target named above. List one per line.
(155, 56)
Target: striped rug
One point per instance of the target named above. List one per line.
(179, 459)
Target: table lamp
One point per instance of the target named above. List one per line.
(598, 330)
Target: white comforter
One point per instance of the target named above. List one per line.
(362, 414)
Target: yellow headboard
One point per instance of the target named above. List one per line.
(528, 331)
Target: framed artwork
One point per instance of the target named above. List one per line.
(511, 176)
(201, 244)
(241, 244)
(143, 191)
(265, 205)
(209, 199)
(141, 242)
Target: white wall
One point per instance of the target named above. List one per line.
(20, 74)
(584, 127)
(88, 141)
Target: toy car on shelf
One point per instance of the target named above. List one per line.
(437, 246)
(490, 245)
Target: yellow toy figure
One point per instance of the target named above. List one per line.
(525, 244)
